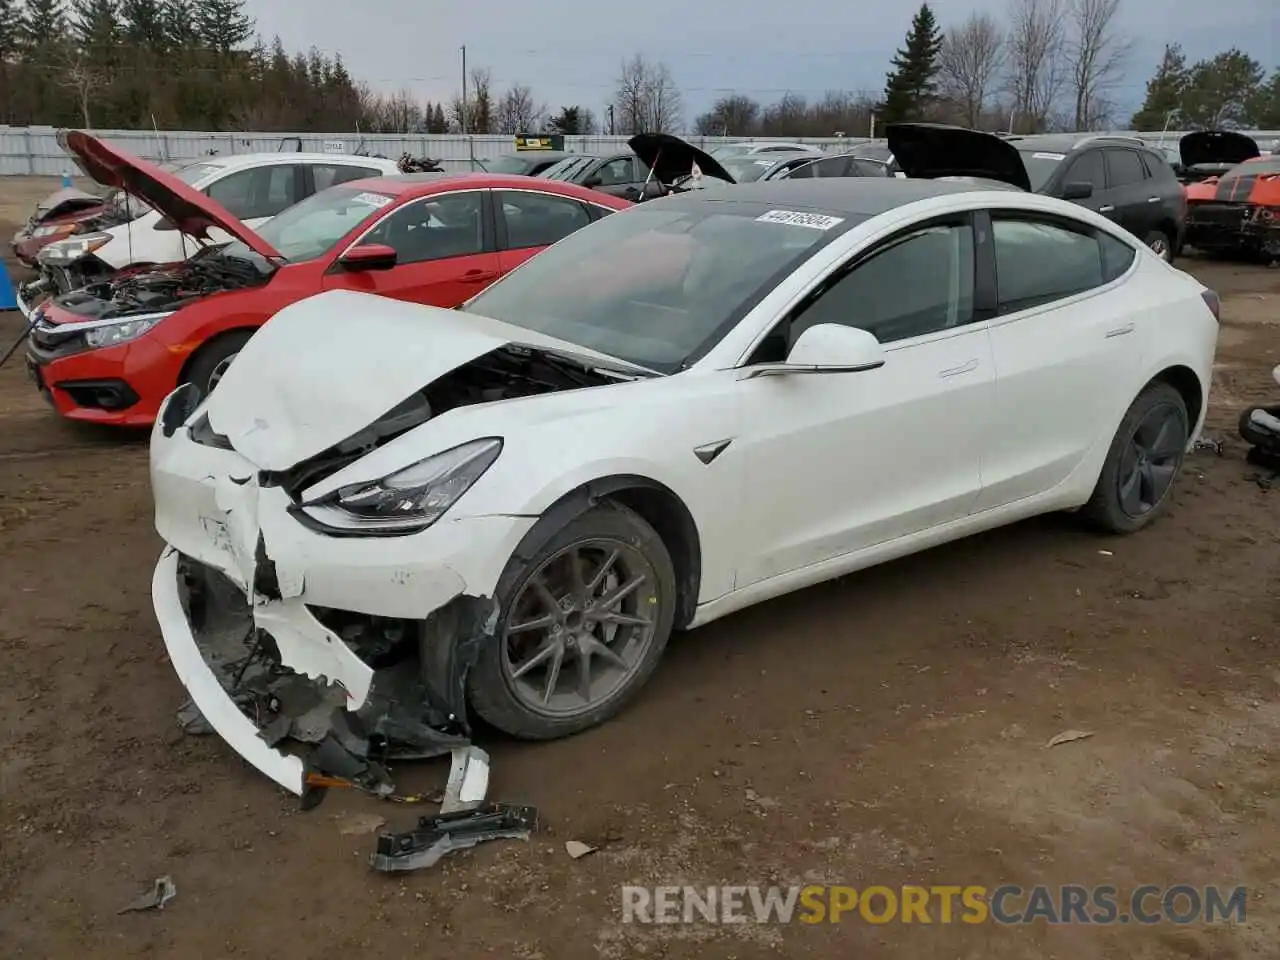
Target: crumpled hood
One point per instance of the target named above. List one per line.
(65, 201)
(1216, 146)
(671, 158)
(191, 211)
(326, 367)
(931, 150)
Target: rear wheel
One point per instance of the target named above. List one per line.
(1142, 463)
(583, 624)
(1161, 244)
(211, 361)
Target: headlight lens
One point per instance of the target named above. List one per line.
(124, 330)
(54, 230)
(411, 499)
(61, 252)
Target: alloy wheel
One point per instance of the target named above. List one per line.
(1159, 245)
(1151, 459)
(218, 372)
(580, 627)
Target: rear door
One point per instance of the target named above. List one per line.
(256, 195)
(445, 248)
(1128, 192)
(529, 221)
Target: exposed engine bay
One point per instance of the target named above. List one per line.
(168, 287)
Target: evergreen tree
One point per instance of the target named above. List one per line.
(10, 29)
(910, 87)
(178, 19)
(222, 25)
(1164, 91)
(144, 25)
(95, 25)
(1220, 89)
(43, 23)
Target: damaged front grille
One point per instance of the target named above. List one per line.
(415, 708)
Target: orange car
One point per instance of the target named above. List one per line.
(1237, 211)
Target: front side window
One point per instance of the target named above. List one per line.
(917, 284)
(617, 171)
(1088, 168)
(538, 219)
(257, 193)
(1038, 261)
(660, 282)
(567, 169)
(328, 175)
(448, 225)
(1041, 165)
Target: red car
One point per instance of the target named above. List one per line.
(109, 353)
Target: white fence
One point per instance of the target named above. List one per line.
(26, 151)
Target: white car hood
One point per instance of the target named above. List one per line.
(326, 367)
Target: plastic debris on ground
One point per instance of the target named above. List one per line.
(437, 836)
(162, 891)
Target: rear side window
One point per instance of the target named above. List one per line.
(1040, 261)
(1117, 257)
(1124, 168)
(260, 192)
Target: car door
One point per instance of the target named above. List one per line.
(839, 462)
(1065, 351)
(1128, 192)
(322, 176)
(445, 251)
(529, 221)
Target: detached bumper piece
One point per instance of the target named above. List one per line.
(440, 835)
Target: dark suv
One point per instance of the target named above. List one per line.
(1121, 178)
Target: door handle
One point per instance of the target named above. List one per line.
(1107, 209)
(1120, 331)
(475, 276)
(967, 367)
(1153, 199)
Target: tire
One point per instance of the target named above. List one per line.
(208, 362)
(502, 700)
(1106, 508)
(1161, 243)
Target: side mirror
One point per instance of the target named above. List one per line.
(826, 348)
(1077, 190)
(595, 180)
(164, 223)
(368, 256)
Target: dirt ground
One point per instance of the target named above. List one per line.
(887, 728)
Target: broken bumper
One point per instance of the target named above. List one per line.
(318, 600)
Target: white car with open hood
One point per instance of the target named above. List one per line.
(386, 516)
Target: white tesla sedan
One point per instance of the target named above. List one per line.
(387, 514)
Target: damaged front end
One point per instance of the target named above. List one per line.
(409, 696)
(1231, 227)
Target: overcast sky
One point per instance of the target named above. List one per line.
(569, 51)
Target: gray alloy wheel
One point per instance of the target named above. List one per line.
(583, 624)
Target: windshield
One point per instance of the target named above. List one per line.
(1040, 165)
(313, 227)
(508, 163)
(566, 168)
(653, 284)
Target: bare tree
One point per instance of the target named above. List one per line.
(475, 115)
(79, 74)
(1096, 57)
(517, 112)
(971, 57)
(1034, 49)
(646, 99)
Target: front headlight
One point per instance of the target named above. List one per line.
(123, 330)
(408, 500)
(53, 231)
(62, 252)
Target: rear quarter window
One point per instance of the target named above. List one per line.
(1117, 257)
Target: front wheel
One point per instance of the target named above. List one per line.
(583, 624)
(211, 361)
(1161, 245)
(1142, 463)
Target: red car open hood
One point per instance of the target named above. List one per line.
(191, 211)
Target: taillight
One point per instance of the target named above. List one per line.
(1213, 303)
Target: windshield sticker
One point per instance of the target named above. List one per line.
(816, 221)
(1049, 156)
(372, 199)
